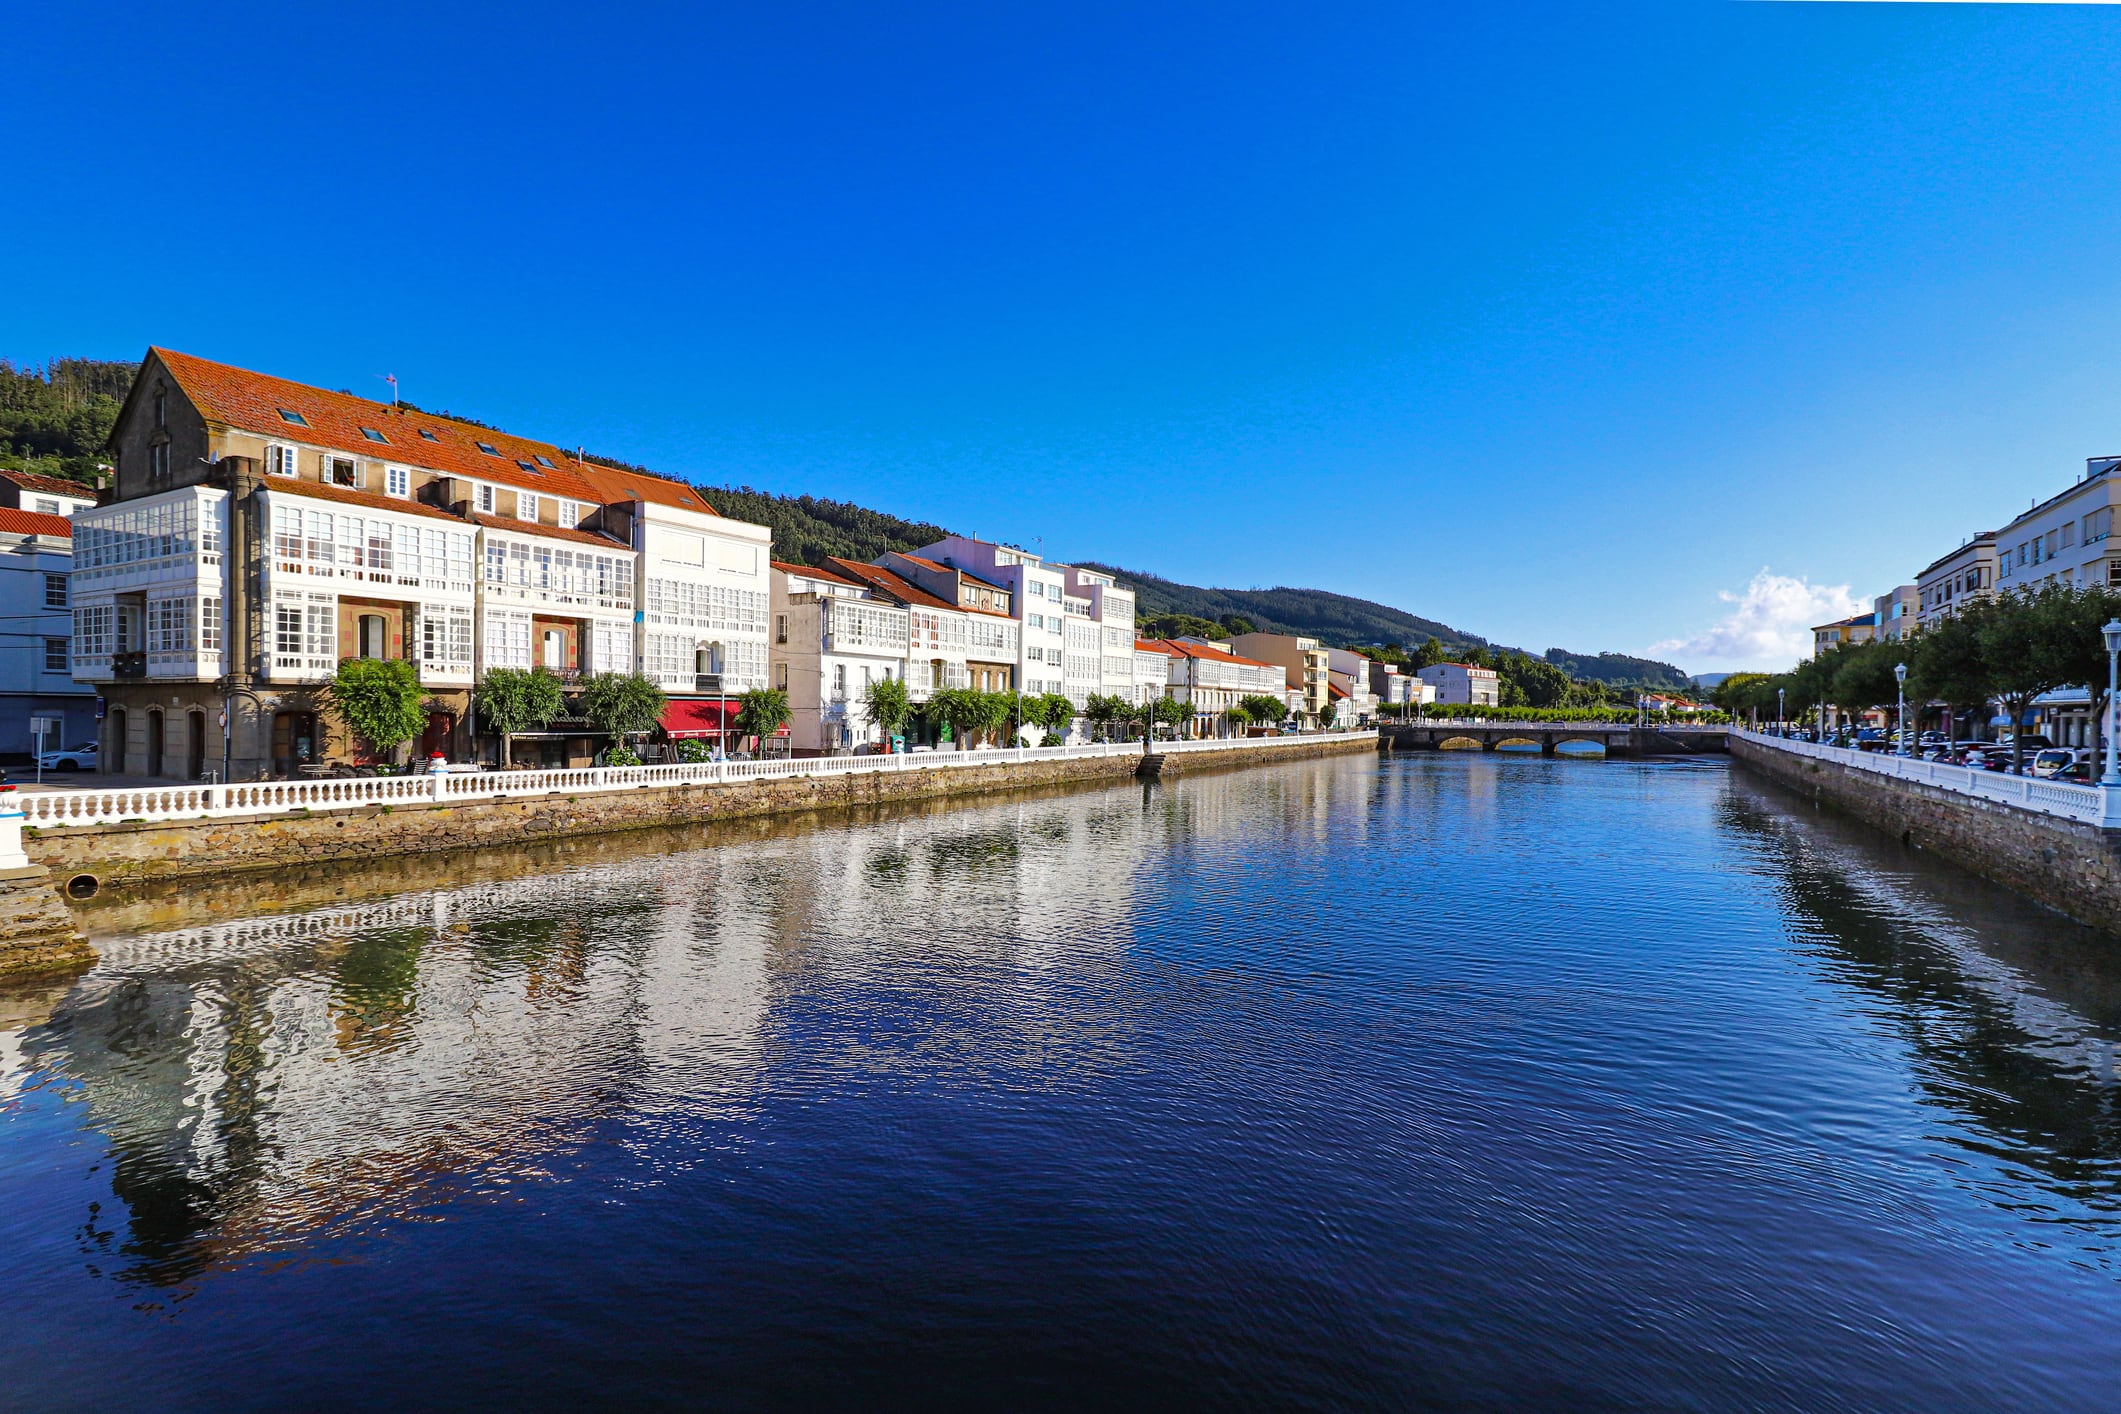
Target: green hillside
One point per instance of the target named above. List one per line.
(807, 529)
(53, 419)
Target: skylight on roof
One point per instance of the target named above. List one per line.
(529, 468)
(544, 463)
(372, 435)
(429, 434)
(489, 448)
(295, 417)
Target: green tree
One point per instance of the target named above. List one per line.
(623, 704)
(379, 700)
(1859, 677)
(1055, 711)
(1169, 712)
(511, 700)
(1329, 714)
(1431, 653)
(886, 705)
(1104, 713)
(2016, 633)
(1236, 624)
(1261, 708)
(1238, 718)
(761, 713)
(2071, 636)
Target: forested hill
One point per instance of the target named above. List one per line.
(806, 529)
(53, 419)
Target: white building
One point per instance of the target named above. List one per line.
(706, 592)
(45, 495)
(1152, 671)
(1895, 613)
(1951, 582)
(36, 668)
(2066, 539)
(1350, 672)
(1210, 677)
(1462, 682)
(832, 638)
(1112, 617)
(1054, 657)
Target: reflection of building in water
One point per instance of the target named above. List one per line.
(265, 1080)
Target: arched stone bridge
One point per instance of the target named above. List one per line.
(1615, 738)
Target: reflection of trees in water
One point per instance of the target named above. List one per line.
(2033, 1074)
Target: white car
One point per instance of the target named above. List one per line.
(75, 758)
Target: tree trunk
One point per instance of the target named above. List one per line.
(506, 759)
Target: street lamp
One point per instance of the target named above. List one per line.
(2111, 776)
(1780, 728)
(1900, 678)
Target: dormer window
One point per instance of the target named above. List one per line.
(295, 418)
(397, 481)
(279, 460)
(484, 500)
(372, 435)
(526, 506)
(342, 471)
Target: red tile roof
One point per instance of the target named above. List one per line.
(1213, 655)
(49, 485)
(252, 402)
(613, 484)
(347, 495)
(877, 577)
(1149, 645)
(14, 522)
(550, 532)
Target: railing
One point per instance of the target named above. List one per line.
(48, 809)
(2091, 804)
(128, 665)
(706, 682)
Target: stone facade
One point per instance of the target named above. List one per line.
(123, 855)
(2072, 867)
(37, 933)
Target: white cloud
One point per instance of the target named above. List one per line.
(1768, 627)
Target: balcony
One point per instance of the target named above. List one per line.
(707, 682)
(128, 665)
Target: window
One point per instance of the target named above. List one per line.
(158, 461)
(161, 407)
(2069, 534)
(839, 680)
(55, 656)
(55, 591)
(489, 448)
(2098, 525)
(92, 630)
(427, 434)
(48, 508)
(546, 464)
(485, 499)
(210, 625)
(397, 481)
(341, 471)
(780, 628)
(526, 506)
(528, 467)
(780, 676)
(280, 461)
(372, 435)
(293, 417)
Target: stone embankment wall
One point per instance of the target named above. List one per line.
(2070, 866)
(123, 854)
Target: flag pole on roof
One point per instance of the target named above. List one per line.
(392, 380)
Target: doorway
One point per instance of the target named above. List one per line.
(294, 742)
(374, 636)
(154, 744)
(556, 649)
(441, 729)
(194, 746)
(114, 731)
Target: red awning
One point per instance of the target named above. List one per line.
(698, 716)
(702, 716)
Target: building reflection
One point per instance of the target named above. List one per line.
(265, 1081)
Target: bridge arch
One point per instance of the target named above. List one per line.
(1459, 742)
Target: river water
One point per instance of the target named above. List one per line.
(1440, 1081)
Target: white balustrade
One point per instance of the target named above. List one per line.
(2093, 805)
(55, 808)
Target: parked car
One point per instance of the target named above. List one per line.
(2064, 761)
(74, 758)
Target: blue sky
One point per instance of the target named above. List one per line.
(1558, 323)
